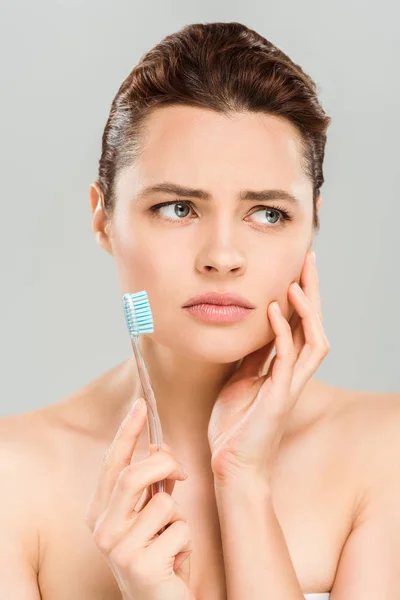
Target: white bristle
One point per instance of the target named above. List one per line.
(137, 313)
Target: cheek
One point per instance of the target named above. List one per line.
(136, 266)
(145, 265)
(277, 271)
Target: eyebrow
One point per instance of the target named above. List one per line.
(178, 190)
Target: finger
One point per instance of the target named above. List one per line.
(310, 283)
(297, 333)
(175, 540)
(143, 500)
(117, 457)
(310, 286)
(142, 532)
(160, 512)
(316, 345)
(169, 483)
(253, 364)
(283, 362)
(131, 482)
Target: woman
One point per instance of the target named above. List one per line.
(209, 182)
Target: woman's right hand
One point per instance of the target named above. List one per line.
(146, 565)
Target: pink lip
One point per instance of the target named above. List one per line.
(215, 298)
(212, 313)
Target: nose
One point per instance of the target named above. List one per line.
(223, 265)
(221, 256)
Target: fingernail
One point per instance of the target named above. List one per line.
(276, 307)
(136, 406)
(314, 258)
(297, 288)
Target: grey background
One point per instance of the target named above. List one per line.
(61, 65)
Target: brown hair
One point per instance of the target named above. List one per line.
(224, 67)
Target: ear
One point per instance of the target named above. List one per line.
(100, 223)
(318, 203)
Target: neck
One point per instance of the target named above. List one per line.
(186, 390)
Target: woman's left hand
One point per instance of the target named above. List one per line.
(248, 417)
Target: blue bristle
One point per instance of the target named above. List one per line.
(137, 313)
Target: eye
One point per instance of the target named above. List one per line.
(179, 208)
(182, 209)
(278, 215)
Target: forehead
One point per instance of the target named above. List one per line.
(199, 147)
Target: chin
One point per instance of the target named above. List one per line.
(219, 345)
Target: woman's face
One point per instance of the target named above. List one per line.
(216, 244)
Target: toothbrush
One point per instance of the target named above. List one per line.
(139, 320)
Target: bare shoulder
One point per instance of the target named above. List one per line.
(24, 478)
(26, 443)
(44, 438)
(49, 464)
(369, 427)
(379, 418)
(366, 440)
(374, 416)
(38, 450)
(22, 446)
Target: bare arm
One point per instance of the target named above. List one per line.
(369, 565)
(257, 560)
(255, 552)
(18, 519)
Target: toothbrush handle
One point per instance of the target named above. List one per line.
(153, 420)
(154, 425)
(159, 486)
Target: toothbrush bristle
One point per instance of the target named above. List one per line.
(137, 313)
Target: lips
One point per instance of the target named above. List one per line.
(226, 299)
